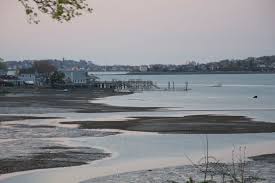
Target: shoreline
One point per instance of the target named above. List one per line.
(76, 100)
(181, 174)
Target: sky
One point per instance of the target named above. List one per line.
(138, 32)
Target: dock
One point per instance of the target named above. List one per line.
(131, 85)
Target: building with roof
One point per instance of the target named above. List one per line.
(76, 77)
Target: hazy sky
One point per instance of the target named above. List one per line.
(144, 32)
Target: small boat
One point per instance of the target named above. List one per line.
(29, 82)
(217, 85)
(122, 91)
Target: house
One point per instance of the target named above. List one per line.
(2, 72)
(6, 80)
(76, 77)
(27, 78)
(42, 80)
(143, 68)
(12, 73)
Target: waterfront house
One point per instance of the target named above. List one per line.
(2, 72)
(12, 73)
(76, 77)
(143, 68)
(7, 80)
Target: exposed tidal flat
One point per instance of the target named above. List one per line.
(48, 127)
(195, 124)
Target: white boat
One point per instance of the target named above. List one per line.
(122, 91)
(217, 85)
(29, 82)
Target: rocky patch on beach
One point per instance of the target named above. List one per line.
(265, 173)
(4, 118)
(27, 146)
(38, 154)
(19, 131)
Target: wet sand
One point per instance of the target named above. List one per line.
(27, 147)
(17, 118)
(75, 100)
(194, 124)
(269, 158)
(23, 147)
(52, 157)
(262, 167)
(263, 171)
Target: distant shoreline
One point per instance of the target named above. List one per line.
(194, 73)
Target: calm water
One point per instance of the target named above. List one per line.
(234, 97)
(136, 151)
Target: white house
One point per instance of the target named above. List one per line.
(143, 68)
(12, 73)
(76, 77)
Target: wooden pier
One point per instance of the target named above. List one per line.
(131, 85)
(126, 86)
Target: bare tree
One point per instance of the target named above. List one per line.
(235, 172)
(60, 10)
(43, 67)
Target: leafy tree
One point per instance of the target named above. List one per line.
(60, 10)
(57, 78)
